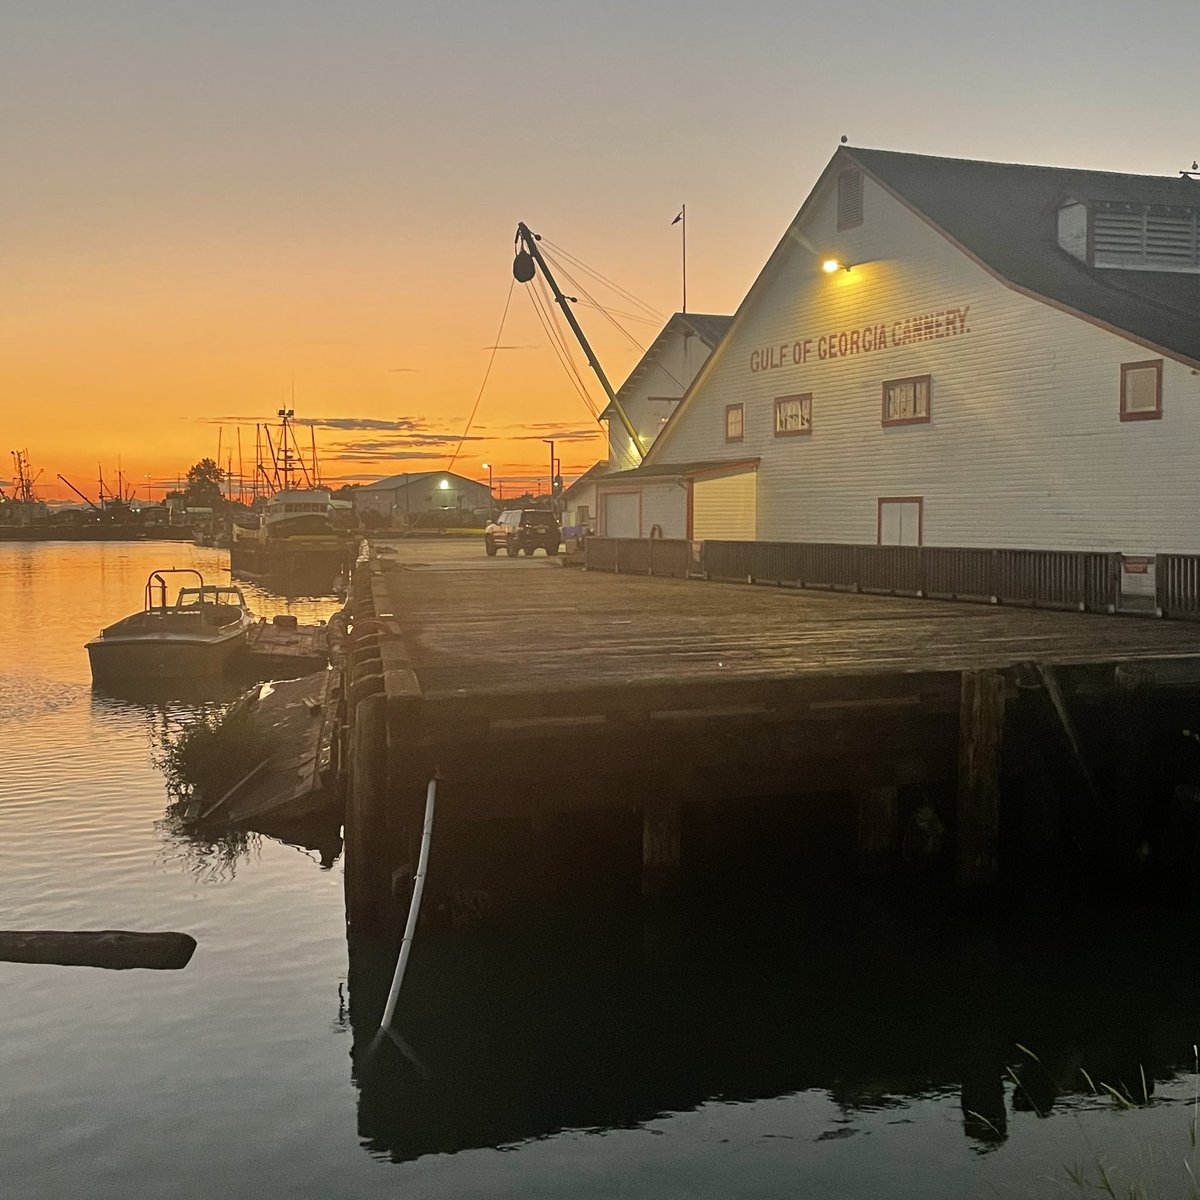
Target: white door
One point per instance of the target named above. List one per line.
(900, 522)
(622, 514)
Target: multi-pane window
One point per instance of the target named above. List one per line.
(906, 401)
(734, 422)
(1141, 390)
(793, 415)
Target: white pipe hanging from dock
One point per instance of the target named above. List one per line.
(414, 908)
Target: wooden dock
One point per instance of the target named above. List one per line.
(534, 691)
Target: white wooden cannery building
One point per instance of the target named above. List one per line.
(648, 396)
(949, 353)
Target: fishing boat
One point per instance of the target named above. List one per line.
(195, 636)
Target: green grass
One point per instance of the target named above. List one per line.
(208, 757)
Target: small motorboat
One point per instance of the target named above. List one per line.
(196, 636)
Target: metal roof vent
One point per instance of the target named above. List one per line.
(850, 199)
(1145, 237)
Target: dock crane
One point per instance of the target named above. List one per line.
(524, 270)
(79, 493)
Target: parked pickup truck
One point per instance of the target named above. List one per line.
(523, 529)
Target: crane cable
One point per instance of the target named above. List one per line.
(543, 307)
(557, 342)
(492, 359)
(558, 266)
(609, 317)
(551, 309)
(650, 310)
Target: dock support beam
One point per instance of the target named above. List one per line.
(981, 731)
(368, 890)
(661, 821)
(878, 828)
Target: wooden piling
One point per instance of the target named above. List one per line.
(981, 732)
(368, 887)
(661, 821)
(878, 828)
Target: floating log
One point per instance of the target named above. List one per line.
(113, 949)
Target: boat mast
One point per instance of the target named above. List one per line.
(24, 480)
(523, 272)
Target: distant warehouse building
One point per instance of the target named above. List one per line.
(400, 499)
(950, 353)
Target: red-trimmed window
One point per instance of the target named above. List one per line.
(1141, 390)
(735, 422)
(906, 401)
(793, 415)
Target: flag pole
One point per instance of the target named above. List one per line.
(684, 211)
(682, 216)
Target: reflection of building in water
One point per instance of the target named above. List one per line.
(606, 1022)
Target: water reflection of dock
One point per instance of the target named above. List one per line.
(611, 1020)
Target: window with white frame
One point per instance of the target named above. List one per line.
(734, 422)
(793, 415)
(906, 401)
(1141, 390)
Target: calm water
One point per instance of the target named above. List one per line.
(826, 1046)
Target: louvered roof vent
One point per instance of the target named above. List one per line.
(1132, 236)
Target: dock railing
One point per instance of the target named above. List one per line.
(1083, 580)
(671, 557)
(1177, 585)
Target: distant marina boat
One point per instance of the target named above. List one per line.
(194, 637)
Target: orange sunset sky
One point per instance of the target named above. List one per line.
(208, 205)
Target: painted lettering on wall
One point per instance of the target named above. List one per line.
(845, 343)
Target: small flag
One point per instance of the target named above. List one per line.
(678, 218)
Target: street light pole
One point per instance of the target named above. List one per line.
(550, 442)
(489, 471)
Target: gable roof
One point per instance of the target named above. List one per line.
(687, 470)
(594, 472)
(708, 327)
(1005, 217)
(411, 477)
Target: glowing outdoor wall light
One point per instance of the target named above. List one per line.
(444, 485)
(834, 264)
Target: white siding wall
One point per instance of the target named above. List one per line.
(585, 496)
(1025, 447)
(665, 505)
(620, 514)
(672, 370)
(634, 512)
(725, 506)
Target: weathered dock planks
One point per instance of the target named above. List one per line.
(533, 691)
